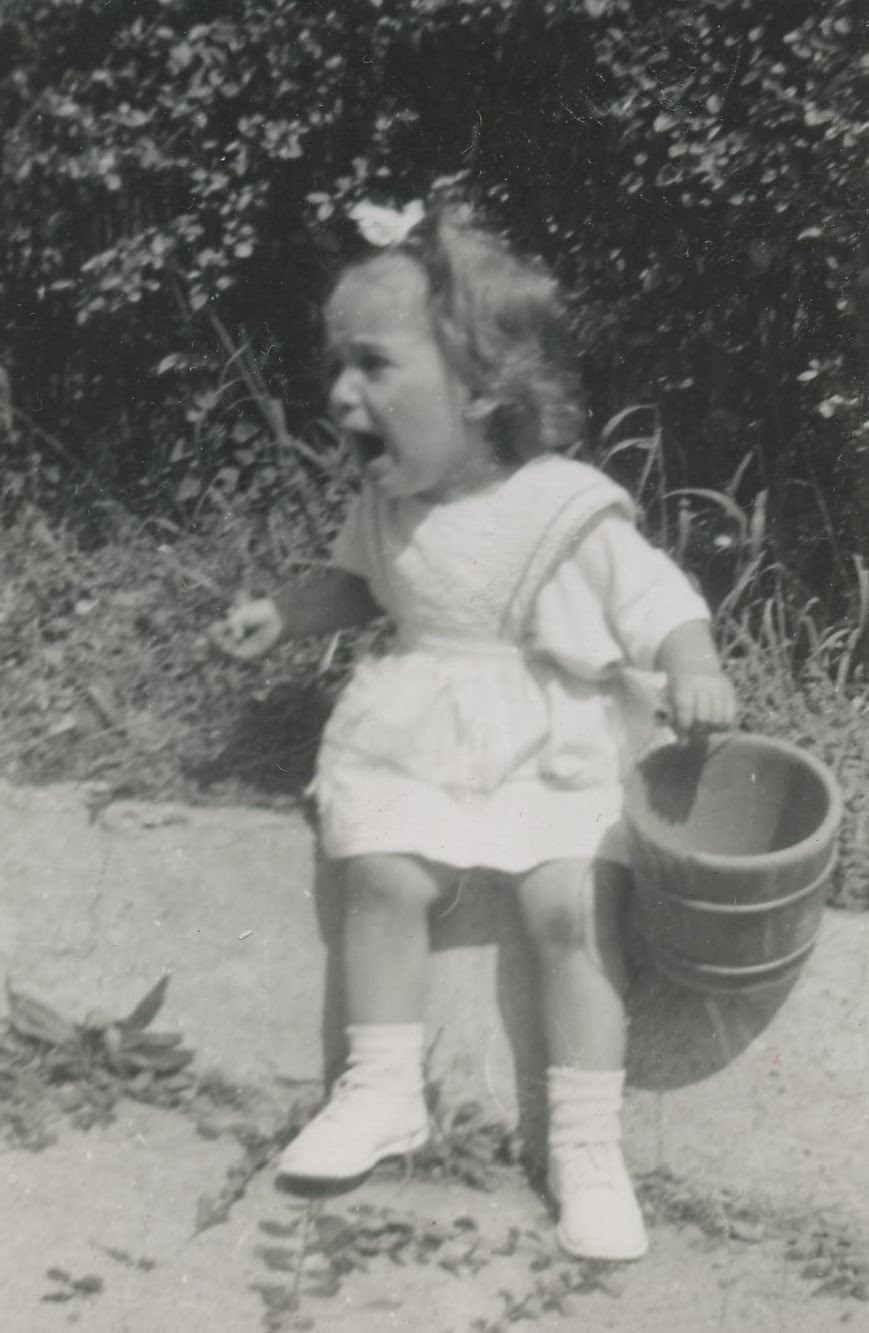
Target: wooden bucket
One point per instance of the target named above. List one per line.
(733, 841)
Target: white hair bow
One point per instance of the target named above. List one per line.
(386, 226)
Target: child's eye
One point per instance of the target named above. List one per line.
(372, 362)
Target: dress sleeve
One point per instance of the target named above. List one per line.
(613, 601)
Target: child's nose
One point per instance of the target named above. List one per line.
(344, 393)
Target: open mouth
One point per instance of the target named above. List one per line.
(366, 445)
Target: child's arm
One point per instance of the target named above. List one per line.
(319, 604)
(699, 694)
(638, 604)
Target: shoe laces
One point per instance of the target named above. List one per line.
(357, 1079)
(589, 1166)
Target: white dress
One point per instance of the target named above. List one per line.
(499, 729)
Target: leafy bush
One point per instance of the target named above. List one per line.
(693, 174)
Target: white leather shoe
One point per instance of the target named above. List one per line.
(362, 1124)
(599, 1217)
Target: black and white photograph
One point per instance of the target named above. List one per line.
(434, 666)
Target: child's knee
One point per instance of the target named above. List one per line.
(572, 911)
(391, 881)
(553, 910)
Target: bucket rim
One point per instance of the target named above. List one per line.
(785, 856)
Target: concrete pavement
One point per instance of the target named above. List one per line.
(768, 1101)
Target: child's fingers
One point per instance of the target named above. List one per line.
(682, 698)
(704, 704)
(222, 637)
(719, 705)
(250, 631)
(246, 619)
(235, 636)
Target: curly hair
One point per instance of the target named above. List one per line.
(501, 324)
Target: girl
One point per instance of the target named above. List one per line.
(499, 728)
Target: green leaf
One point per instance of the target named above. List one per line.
(32, 1018)
(135, 1039)
(170, 362)
(165, 1061)
(717, 497)
(89, 1285)
(189, 489)
(149, 1006)
(613, 424)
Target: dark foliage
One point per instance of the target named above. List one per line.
(693, 173)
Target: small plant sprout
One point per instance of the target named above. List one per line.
(95, 1061)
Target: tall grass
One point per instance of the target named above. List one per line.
(799, 665)
(764, 612)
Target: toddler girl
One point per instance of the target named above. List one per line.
(499, 728)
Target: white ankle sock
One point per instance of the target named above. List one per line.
(584, 1105)
(394, 1050)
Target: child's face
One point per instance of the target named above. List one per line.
(393, 395)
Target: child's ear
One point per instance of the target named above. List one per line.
(480, 409)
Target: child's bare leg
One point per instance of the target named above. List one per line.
(572, 911)
(377, 1108)
(386, 936)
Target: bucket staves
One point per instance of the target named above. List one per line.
(733, 843)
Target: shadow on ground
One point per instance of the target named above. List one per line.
(273, 745)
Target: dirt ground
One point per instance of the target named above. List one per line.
(104, 1236)
(140, 1205)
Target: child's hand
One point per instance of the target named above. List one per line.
(700, 701)
(250, 630)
